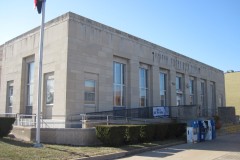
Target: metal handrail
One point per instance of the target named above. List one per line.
(8, 115)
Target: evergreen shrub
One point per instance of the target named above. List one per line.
(116, 135)
(6, 125)
(161, 131)
(111, 135)
(132, 135)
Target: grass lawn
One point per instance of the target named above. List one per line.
(13, 149)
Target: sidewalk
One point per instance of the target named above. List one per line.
(226, 147)
(223, 138)
(132, 152)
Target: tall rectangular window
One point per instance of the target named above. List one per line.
(212, 98)
(203, 97)
(50, 91)
(191, 91)
(178, 83)
(30, 85)
(119, 84)
(202, 93)
(220, 101)
(163, 89)
(143, 87)
(89, 92)
(179, 91)
(9, 97)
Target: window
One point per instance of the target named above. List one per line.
(178, 83)
(30, 85)
(50, 91)
(119, 84)
(143, 86)
(191, 91)
(89, 92)
(212, 96)
(179, 92)
(202, 95)
(220, 100)
(9, 97)
(163, 89)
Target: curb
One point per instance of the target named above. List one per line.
(129, 153)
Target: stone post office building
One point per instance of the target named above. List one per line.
(88, 66)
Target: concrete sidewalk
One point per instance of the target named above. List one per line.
(132, 152)
(225, 147)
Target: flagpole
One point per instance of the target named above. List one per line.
(38, 144)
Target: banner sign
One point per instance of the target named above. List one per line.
(161, 111)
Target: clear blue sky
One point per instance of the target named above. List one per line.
(205, 30)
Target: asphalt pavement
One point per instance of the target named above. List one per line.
(225, 147)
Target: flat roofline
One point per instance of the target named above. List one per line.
(134, 38)
(228, 72)
(74, 16)
(37, 29)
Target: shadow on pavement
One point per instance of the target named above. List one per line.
(165, 152)
(227, 143)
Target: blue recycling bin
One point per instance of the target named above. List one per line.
(202, 131)
(213, 129)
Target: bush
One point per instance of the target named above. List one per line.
(161, 131)
(180, 130)
(111, 135)
(147, 133)
(171, 130)
(115, 135)
(6, 125)
(132, 135)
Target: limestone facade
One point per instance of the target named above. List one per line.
(89, 66)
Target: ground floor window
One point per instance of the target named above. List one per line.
(9, 106)
(191, 86)
(179, 90)
(89, 92)
(143, 87)
(163, 89)
(49, 90)
(118, 84)
(30, 87)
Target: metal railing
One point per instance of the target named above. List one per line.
(8, 115)
(118, 116)
(148, 112)
(25, 120)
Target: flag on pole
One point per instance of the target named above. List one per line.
(38, 5)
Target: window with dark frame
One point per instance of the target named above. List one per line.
(50, 91)
(118, 84)
(89, 92)
(143, 87)
(30, 87)
(163, 89)
(191, 91)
